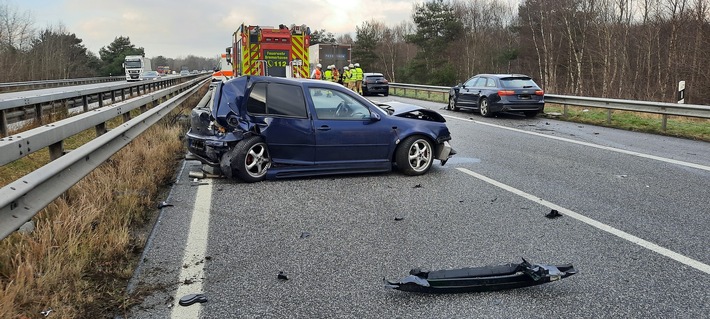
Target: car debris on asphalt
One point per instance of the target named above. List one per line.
(164, 204)
(191, 299)
(479, 279)
(282, 275)
(553, 214)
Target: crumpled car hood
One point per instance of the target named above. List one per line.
(227, 102)
(413, 111)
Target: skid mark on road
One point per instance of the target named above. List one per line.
(611, 230)
(608, 148)
(193, 260)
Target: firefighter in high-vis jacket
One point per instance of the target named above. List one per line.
(346, 77)
(328, 75)
(358, 78)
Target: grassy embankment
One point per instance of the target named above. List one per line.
(86, 243)
(678, 126)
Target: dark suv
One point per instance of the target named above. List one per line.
(375, 83)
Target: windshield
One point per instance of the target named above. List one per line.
(133, 64)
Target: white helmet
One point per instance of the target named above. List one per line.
(345, 68)
(318, 65)
(357, 65)
(351, 65)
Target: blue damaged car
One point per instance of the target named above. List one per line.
(253, 128)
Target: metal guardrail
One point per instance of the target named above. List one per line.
(15, 106)
(665, 109)
(23, 198)
(20, 86)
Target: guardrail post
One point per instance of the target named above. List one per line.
(101, 129)
(113, 97)
(39, 111)
(565, 110)
(101, 99)
(664, 122)
(3, 123)
(85, 103)
(56, 150)
(123, 94)
(608, 116)
(144, 108)
(428, 95)
(126, 117)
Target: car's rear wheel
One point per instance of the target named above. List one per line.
(452, 104)
(483, 107)
(250, 159)
(414, 155)
(531, 113)
(387, 93)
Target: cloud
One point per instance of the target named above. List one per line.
(175, 28)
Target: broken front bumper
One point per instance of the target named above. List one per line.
(480, 279)
(444, 152)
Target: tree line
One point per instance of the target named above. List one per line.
(28, 53)
(629, 49)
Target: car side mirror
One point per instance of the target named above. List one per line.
(374, 116)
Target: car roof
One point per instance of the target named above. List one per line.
(503, 75)
(373, 73)
(297, 81)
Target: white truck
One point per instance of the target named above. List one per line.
(135, 65)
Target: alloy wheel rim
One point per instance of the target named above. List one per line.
(257, 160)
(420, 155)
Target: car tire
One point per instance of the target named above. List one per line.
(452, 104)
(387, 93)
(531, 113)
(483, 107)
(250, 160)
(414, 155)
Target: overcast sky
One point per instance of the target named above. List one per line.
(177, 28)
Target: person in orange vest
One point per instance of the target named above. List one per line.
(317, 73)
(336, 74)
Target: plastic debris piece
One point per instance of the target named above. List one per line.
(191, 299)
(164, 204)
(478, 279)
(398, 218)
(305, 234)
(553, 214)
(417, 186)
(46, 312)
(282, 276)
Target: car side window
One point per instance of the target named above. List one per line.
(277, 99)
(285, 100)
(334, 105)
(257, 99)
(491, 83)
(471, 82)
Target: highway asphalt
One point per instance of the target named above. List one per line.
(635, 225)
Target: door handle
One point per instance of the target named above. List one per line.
(324, 128)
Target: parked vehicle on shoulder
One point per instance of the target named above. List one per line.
(184, 72)
(375, 83)
(492, 93)
(258, 127)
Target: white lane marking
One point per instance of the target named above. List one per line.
(621, 234)
(608, 148)
(193, 260)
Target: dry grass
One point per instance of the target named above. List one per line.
(84, 247)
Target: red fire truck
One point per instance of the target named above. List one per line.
(281, 51)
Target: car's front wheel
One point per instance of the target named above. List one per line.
(250, 159)
(452, 104)
(414, 155)
(483, 107)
